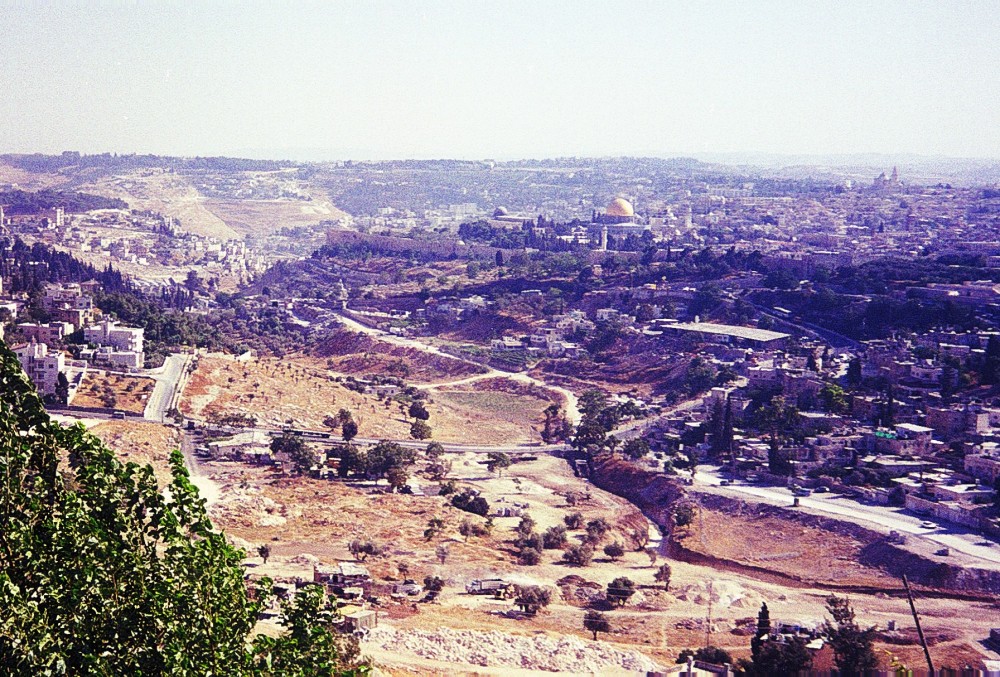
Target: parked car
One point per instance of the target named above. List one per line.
(822, 490)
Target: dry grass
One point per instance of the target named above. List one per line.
(263, 217)
(809, 553)
(142, 443)
(279, 390)
(170, 194)
(351, 352)
(129, 393)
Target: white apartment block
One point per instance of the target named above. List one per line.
(42, 367)
(108, 333)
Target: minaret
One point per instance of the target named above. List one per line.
(895, 176)
(604, 238)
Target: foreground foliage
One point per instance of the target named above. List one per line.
(101, 573)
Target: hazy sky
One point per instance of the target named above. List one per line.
(500, 79)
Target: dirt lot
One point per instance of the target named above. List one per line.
(142, 443)
(807, 553)
(351, 352)
(260, 217)
(168, 193)
(289, 389)
(114, 391)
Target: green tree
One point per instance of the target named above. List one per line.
(597, 529)
(789, 657)
(363, 549)
(589, 434)
(636, 448)
(434, 451)
(948, 382)
(397, 476)
(497, 462)
(307, 645)
(662, 575)
(574, 520)
(532, 598)
(620, 590)
(762, 633)
(596, 622)
(470, 502)
(579, 555)
(102, 573)
(834, 398)
(776, 418)
(684, 514)
(302, 457)
(557, 428)
(708, 654)
(434, 527)
(419, 411)
(614, 550)
(592, 402)
(386, 455)
(419, 430)
(349, 430)
(852, 646)
(264, 551)
(352, 460)
(62, 389)
(854, 376)
(554, 537)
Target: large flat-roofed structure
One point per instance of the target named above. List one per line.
(728, 333)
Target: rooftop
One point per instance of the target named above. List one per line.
(751, 333)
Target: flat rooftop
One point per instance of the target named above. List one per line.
(751, 333)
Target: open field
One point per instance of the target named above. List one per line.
(114, 391)
(26, 180)
(262, 217)
(352, 352)
(168, 193)
(760, 540)
(282, 390)
(297, 516)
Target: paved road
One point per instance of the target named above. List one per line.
(881, 518)
(835, 339)
(166, 386)
(313, 437)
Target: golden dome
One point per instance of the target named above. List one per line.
(620, 207)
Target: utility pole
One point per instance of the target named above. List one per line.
(920, 632)
(708, 623)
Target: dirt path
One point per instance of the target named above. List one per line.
(572, 404)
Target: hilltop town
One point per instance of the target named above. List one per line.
(570, 415)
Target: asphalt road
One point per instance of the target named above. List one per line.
(880, 518)
(166, 387)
